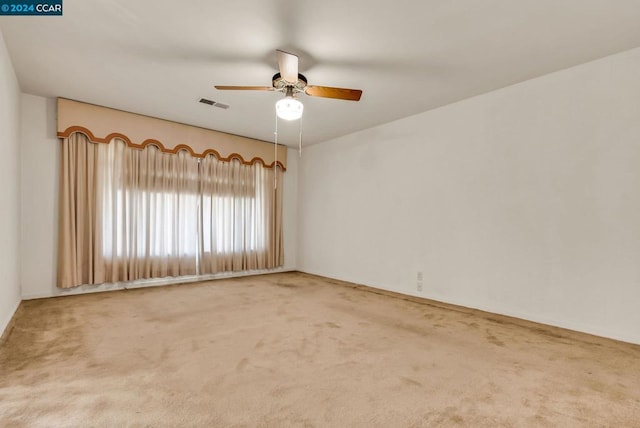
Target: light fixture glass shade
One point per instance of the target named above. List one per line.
(289, 108)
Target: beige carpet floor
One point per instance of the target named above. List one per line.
(299, 350)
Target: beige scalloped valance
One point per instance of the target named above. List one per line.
(102, 124)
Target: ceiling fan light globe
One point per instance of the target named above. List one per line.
(289, 108)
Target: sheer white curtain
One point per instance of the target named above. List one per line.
(129, 214)
(146, 206)
(239, 216)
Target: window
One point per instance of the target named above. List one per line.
(150, 214)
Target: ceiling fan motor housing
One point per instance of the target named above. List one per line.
(280, 84)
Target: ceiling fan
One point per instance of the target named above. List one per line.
(292, 83)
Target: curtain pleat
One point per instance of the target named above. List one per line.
(129, 214)
(239, 218)
(77, 219)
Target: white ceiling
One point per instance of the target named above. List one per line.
(159, 58)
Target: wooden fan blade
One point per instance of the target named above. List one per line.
(288, 64)
(339, 93)
(244, 88)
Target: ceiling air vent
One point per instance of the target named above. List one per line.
(214, 103)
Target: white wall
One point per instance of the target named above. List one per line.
(39, 166)
(40, 160)
(524, 201)
(290, 211)
(9, 189)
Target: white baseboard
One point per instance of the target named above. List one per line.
(87, 289)
(4, 323)
(568, 325)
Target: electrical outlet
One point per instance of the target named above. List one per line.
(419, 276)
(419, 286)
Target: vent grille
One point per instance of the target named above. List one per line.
(214, 103)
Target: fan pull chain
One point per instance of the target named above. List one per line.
(275, 151)
(300, 139)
